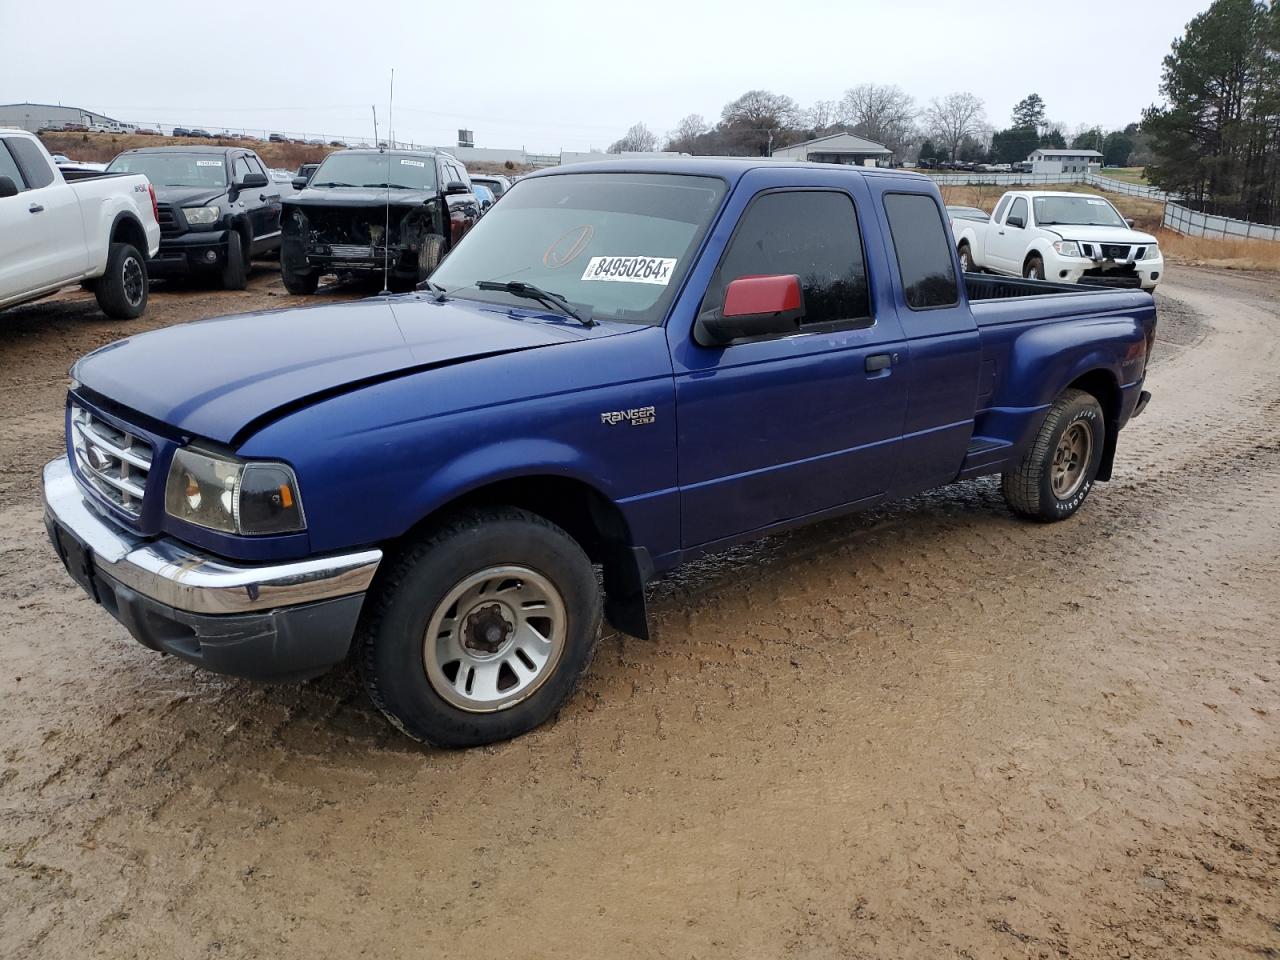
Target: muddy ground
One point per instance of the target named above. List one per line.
(932, 731)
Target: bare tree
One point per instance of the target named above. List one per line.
(954, 117)
(757, 117)
(639, 139)
(684, 137)
(823, 115)
(881, 112)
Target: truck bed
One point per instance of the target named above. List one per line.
(987, 286)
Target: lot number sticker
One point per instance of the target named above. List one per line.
(208, 163)
(413, 163)
(631, 269)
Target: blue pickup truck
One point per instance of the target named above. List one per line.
(622, 367)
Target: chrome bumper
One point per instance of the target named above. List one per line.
(177, 576)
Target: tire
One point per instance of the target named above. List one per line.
(302, 283)
(966, 258)
(1033, 269)
(462, 584)
(1057, 473)
(123, 289)
(235, 273)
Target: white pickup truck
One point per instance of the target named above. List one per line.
(59, 228)
(1067, 237)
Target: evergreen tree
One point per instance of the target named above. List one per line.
(1029, 112)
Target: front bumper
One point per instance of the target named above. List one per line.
(188, 252)
(1143, 274)
(277, 621)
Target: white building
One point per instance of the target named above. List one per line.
(38, 116)
(838, 148)
(1064, 161)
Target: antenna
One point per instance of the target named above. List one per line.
(375, 125)
(386, 230)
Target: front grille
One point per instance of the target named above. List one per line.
(352, 251)
(1115, 251)
(112, 462)
(167, 220)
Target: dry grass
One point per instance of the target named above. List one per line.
(103, 147)
(1127, 174)
(1262, 255)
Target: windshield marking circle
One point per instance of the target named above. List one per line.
(656, 270)
(582, 235)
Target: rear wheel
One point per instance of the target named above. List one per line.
(122, 289)
(235, 273)
(1033, 269)
(481, 630)
(1057, 473)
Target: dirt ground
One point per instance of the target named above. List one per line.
(931, 731)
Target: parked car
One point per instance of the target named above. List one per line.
(218, 209)
(181, 132)
(336, 222)
(484, 196)
(1070, 237)
(61, 227)
(497, 183)
(147, 132)
(197, 132)
(337, 143)
(304, 173)
(426, 483)
(276, 138)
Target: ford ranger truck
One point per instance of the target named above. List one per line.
(60, 227)
(1067, 237)
(622, 367)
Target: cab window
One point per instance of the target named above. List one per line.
(812, 234)
(922, 243)
(8, 168)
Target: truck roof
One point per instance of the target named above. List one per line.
(195, 148)
(730, 168)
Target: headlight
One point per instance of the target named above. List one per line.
(1067, 248)
(232, 496)
(202, 216)
(1151, 253)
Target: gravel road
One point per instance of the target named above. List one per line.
(931, 731)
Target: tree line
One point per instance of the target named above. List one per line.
(952, 127)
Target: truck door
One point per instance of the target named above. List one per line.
(46, 218)
(942, 339)
(1007, 241)
(783, 427)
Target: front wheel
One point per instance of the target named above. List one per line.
(122, 290)
(966, 258)
(302, 282)
(1057, 473)
(1034, 268)
(235, 272)
(480, 631)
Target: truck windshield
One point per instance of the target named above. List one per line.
(616, 245)
(393, 170)
(1076, 211)
(174, 169)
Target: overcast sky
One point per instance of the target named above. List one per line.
(571, 74)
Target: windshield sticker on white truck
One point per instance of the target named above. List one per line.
(631, 269)
(208, 163)
(1097, 203)
(413, 163)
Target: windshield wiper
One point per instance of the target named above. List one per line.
(518, 288)
(440, 292)
(390, 186)
(331, 183)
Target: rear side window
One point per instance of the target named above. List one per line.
(31, 161)
(813, 234)
(920, 240)
(7, 166)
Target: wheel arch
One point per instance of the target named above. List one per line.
(1102, 385)
(586, 514)
(126, 228)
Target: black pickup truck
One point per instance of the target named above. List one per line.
(217, 209)
(365, 211)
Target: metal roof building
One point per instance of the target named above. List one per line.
(36, 116)
(1063, 161)
(837, 148)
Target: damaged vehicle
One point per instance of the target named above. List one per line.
(366, 211)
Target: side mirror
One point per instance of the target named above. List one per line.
(1129, 222)
(1013, 221)
(456, 186)
(753, 307)
(252, 181)
(300, 183)
(8, 188)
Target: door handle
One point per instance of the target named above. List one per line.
(36, 208)
(880, 361)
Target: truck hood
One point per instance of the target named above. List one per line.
(189, 196)
(358, 197)
(1100, 234)
(215, 378)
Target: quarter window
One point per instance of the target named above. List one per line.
(812, 234)
(920, 240)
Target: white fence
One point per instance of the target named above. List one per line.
(1128, 189)
(1006, 179)
(1192, 223)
